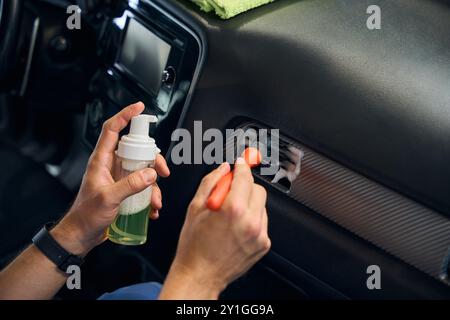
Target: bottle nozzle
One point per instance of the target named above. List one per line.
(137, 145)
(140, 125)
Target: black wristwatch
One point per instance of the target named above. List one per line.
(44, 241)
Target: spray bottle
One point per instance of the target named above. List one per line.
(136, 151)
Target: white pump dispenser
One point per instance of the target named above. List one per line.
(138, 145)
(136, 151)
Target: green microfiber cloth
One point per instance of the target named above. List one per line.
(229, 8)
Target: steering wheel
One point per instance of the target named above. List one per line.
(9, 28)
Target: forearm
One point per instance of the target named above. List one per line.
(32, 276)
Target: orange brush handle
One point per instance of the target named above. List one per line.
(220, 192)
(253, 158)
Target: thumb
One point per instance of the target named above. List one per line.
(209, 182)
(132, 184)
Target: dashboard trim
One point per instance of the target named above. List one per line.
(400, 226)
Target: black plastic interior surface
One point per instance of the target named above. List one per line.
(375, 101)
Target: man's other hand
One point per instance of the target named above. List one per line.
(216, 248)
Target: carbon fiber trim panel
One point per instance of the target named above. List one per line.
(404, 228)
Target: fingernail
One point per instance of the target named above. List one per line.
(149, 176)
(223, 165)
(240, 160)
(138, 106)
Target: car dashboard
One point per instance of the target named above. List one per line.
(148, 55)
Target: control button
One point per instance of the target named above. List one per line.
(60, 44)
(168, 76)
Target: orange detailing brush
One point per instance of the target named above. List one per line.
(253, 158)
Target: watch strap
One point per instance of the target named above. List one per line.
(44, 241)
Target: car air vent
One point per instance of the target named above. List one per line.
(286, 163)
(289, 166)
(402, 227)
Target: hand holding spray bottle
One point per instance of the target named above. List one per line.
(136, 151)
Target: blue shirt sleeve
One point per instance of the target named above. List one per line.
(141, 291)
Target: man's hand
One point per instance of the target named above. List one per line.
(216, 248)
(98, 200)
(32, 275)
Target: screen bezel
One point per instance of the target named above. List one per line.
(123, 69)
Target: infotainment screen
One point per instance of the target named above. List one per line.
(144, 55)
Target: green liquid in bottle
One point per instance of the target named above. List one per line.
(130, 229)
